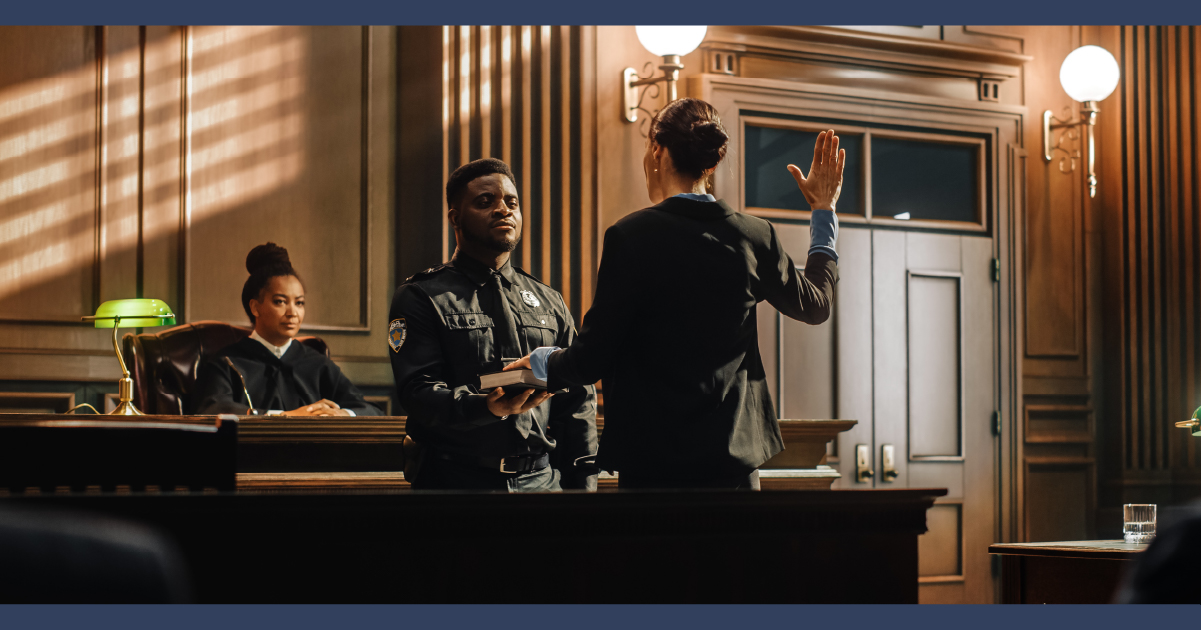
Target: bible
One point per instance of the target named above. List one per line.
(513, 381)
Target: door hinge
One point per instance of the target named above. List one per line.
(996, 423)
(996, 270)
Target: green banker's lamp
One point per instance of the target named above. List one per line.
(1193, 423)
(118, 314)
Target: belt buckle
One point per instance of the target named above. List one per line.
(502, 465)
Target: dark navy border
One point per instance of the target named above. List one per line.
(599, 12)
(595, 617)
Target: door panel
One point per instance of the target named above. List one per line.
(935, 367)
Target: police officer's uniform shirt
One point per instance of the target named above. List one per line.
(446, 327)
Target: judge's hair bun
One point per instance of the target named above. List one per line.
(267, 257)
(691, 131)
(265, 262)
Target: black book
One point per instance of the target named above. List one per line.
(512, 381)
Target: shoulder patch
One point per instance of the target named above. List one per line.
(396, 334)
(421, 275)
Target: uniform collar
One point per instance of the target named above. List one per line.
(693, 208)
(480, 273)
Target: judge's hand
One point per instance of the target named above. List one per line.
(323, 407)
(521, 403)
(824, 182)
(520, 364)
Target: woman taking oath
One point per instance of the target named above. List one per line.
(672, 326)
(279, 377)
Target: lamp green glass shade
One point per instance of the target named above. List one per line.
(133, 314)
(117, 314)
(1193, 423)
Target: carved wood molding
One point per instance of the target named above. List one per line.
(820, 43)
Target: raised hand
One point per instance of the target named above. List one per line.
(824, 182)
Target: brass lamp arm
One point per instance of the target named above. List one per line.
(1088, 120)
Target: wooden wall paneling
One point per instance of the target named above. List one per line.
(1054, 261)
(36, 402)
(590, 230)
(161, 170)
(277, 153)
(1151, 267)
(567, 57)
(51, 97)
(523, 94)
(526, 167)
(543, 158)
(1058, 502)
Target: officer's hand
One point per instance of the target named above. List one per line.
(520, 364)
(323, 407)
(521, 403)
(824, 182)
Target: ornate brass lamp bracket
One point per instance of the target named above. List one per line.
(1069, 131)
(632, 80)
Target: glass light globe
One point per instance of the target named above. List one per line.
(1089, 73)
(671, 40)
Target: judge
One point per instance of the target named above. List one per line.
(278, 376)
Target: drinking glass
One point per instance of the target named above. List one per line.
(1138, 522)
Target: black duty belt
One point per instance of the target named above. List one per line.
(514, 465)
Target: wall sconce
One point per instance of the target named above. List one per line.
(1089, 74)
(669, 42)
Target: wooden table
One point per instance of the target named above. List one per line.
(1071, 572)
(818, 546)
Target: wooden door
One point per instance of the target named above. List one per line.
(911, 354)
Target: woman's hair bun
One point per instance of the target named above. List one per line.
(266, 257)
(708, 141)
(691, 131)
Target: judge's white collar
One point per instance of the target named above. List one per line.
(278, 351)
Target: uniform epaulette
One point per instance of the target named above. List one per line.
(530, 276)
(421, 275)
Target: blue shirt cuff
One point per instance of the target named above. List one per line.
(538, 361)
(823, 233)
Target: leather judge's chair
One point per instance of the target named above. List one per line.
(163, 364)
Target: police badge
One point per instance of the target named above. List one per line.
(529, 299)
(396, 334)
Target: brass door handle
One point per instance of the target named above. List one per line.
(863, 465)
(888, 463)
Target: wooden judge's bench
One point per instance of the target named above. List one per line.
(317, 513)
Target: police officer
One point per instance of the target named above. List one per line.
(471, 316)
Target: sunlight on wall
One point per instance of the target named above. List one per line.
(60, 199)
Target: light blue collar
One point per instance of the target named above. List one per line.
(697, 197)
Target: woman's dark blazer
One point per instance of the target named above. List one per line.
(672, 331)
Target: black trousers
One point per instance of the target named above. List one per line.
(632, 480)
(440, 474)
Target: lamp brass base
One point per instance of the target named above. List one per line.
(126, 408)
(125, 393)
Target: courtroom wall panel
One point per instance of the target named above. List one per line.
(1151, 216)
(147, 161)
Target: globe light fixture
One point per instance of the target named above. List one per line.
(670, 43)
(1088, 74)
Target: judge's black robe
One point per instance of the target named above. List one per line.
(302, 376)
